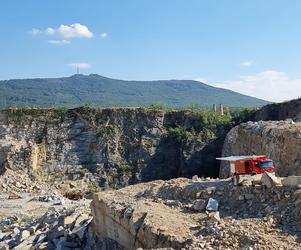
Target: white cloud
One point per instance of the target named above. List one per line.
(59, 42)
(75, 30)
(35, 32)
(50, 31)
(104, 35)
(79, 65)
(270, 85)
(248, 63)
(201, 79)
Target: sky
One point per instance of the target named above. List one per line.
(249, 46)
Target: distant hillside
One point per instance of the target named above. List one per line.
(106, 92)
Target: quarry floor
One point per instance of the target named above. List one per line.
(174, 217)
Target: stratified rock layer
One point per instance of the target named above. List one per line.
(106, 147)
(280, 111)
(279, 140)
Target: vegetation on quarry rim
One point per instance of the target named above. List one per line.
(207, 124)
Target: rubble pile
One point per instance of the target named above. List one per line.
(215, 214)
(17, 181)
(61, 227)
(252, 212)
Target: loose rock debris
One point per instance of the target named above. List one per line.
(60, 227)
(174, 214)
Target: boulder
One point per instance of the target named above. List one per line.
(16, 231)
(291, 181)
(2, 235)
(195, 178)
(25, 234)
(25, 245)
(270, 180)
(212, 205)
(244, 180)
(68, 220)
(174, 203)
(278, 140)
(199, 205)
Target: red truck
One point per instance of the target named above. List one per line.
(250, 164)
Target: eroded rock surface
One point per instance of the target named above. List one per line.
(103, 147)
(280, 111)
(279, 140)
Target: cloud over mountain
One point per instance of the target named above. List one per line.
(269, 85)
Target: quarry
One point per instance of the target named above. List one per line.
(133, 178)
(150, 125)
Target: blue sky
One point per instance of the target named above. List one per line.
(251, 46)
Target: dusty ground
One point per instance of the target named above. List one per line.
(170, 214)
(252, 217)
(35, 220)
(23, 207)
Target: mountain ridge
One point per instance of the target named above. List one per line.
(98, 90)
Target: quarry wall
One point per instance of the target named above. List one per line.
(279, 140)
(280, 111)
(109, 147)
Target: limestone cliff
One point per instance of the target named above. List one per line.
(279, 140)
(108, 147)
(279, 111)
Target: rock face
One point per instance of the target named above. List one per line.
(135, 224)
(279, 140)
(108, 147)
(280, 111)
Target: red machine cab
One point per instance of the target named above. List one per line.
(255, 164)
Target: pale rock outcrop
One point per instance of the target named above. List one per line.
(108, 147)
(278, 140)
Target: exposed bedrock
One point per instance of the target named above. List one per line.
(110, 147)
(279, 140)
(279, 111)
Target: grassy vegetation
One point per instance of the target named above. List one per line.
(178, 134)
(91, 190)
(19, 114)
(243, 115)
(191, 122)
(123, 169)
(95, 118)
(204, 124)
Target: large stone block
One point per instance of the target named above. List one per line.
(291, 181)
(280, 141)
